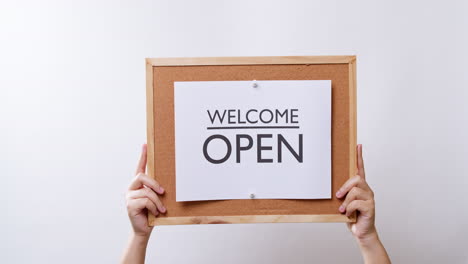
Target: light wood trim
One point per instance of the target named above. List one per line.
(352, 118)
(150, 127)
(250, 60)
(243, 219)
(352, 124)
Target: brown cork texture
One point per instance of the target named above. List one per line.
(164, 141)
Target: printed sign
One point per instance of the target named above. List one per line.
(253, 139)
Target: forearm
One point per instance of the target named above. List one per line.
(136, 250)
(372, 250)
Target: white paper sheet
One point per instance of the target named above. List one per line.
(298, 108)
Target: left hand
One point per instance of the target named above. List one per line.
(143, 197)
(360, 199)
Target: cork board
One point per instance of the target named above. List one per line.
(163, 72)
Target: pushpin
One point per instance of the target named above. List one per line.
(252, 196)
(254, 84)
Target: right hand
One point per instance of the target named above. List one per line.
(142, 196)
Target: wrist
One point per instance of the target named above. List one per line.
(369, 240)
(140, 239)
(136, 248)
(372, 249)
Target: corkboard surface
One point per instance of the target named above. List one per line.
(164, 141)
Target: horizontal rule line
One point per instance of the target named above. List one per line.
(254, 127)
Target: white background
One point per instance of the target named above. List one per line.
(72, 117)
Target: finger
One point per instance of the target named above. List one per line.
(356, 193)
(363, 207)
(360, 162)
(356, 181)
(141, 168)
(147, 193)
(144, 180)
(135, 206)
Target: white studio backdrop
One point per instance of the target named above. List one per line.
(72, 119)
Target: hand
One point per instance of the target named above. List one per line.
(360, 199)
(142, 196)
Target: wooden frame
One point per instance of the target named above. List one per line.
(210, 61)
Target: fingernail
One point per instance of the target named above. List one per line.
(341, 209)
(163, 209)
(161, 189)
(338, 193)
